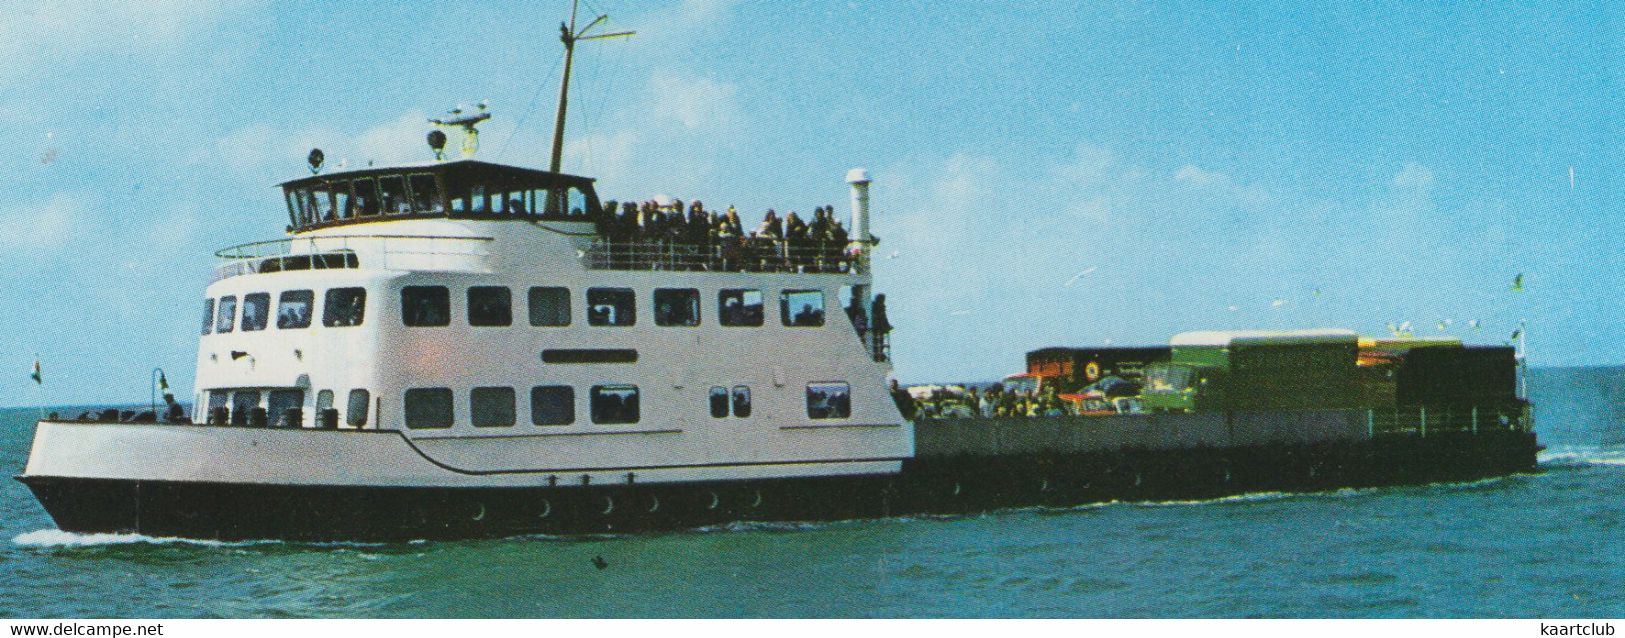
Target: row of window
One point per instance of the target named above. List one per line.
(429, 306)
(434, 408)
(495, 407)
(295, 308)
(348, 198)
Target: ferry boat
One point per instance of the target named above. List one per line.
(458, 348)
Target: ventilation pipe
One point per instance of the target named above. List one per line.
(858, 179)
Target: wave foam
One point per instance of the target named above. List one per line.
(1571, 457)
(59, 538)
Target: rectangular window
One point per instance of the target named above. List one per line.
(218, 399)
(344, 307)
(552, 405)
(425, 195)
(611, 307)
(589, 355)
(614, 404)
(741, 401)
(802, 307)
(279, 402)
(293, 308)
(549, 306)
(228, 314)
(355, 412)
(366, 197)
(208, 316)
(829, 400)
(719, 402)
(428, 408)
(256, 310)
(324, 401)
(491, 407)
(490, 306)
(242, 403)
(739, 307)
(392, 195)
(425, 306)
(677, 307)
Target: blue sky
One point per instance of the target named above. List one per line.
(1205, 167)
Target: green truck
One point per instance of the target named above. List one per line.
(1256, 370)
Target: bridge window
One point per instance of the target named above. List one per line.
(677, 307)
(549, 306)
(614, 404)
(490, 306)
(228, 314)
(217, 402)
(344, 307)
(365, 201)
(802, 307)
(611, 307)
(425, 306)
(341, 200)
(719, 402)
(829, 401)
(425, 195)
(256, 311)
(428, 408)
(552, 405)
(324, 402)
(293, 308)
(208, 316)
(355, 411)
(741, 403)
(392, 195)
(740, 307)
(491, 407)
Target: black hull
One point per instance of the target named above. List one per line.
(943, 485)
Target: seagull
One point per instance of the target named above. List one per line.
(1081, 273)
(893, 254)
(1277, 303)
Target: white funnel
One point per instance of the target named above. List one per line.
(858, 178)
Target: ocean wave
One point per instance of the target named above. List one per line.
(59, 538)
(1575, 457)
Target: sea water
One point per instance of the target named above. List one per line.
(1547, 544)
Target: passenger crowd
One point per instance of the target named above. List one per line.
(990, 402)
(670, 237)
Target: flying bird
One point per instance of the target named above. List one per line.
(1277, 303)
(893, 254)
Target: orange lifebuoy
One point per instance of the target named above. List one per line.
(1092, 371)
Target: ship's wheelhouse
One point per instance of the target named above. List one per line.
(464, 189)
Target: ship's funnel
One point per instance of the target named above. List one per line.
(858, 179)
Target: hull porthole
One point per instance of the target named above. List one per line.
(715, 501)
(547, 509)
(956, 489)
(758, 501)
(1137, 479)
(654, 503)
(479, 512)
(609, 504)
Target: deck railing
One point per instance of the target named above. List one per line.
(1425, 420)
(722, 255)
(340, 251)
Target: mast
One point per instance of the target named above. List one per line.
(569, 35)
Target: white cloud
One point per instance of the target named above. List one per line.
(43, 226)
(44, 33)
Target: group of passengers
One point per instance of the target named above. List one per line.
(995, 401)
(652, 235)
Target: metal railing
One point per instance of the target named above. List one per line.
(723, 255)
(340, 251)
(1427, 420)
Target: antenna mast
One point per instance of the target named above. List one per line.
(569, 34)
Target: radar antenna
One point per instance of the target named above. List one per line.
(570, 35)
(462, 118)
